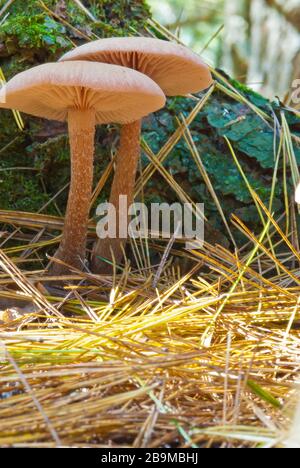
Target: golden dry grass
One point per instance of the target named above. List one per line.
(202, 358)
(191, 363)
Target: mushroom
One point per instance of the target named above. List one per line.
(83, 94)
(176, 69)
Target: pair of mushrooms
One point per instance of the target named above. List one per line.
(119, 80)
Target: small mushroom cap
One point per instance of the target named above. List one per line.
(175, 68)
(118, 94)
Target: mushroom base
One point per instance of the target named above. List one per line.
(124, 183)
(72, 249)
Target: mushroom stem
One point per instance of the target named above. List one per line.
(72, 248)
(123, 184)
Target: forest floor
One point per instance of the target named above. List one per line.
(197, 348)
(207, 358)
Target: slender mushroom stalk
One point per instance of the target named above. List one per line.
(177, 71)
(84, 94)
(123, 184)
(73, 244)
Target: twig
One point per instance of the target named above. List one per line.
(32, 395)
(86, 11)
(165, 256)
(6, 6)
(219, 30)
(24, 284)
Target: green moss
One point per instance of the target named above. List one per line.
(32, 32)
(118, 17)
(20, 189)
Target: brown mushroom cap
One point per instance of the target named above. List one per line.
(118, 94)
(176, 69)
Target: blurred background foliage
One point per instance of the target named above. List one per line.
(260, 42)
